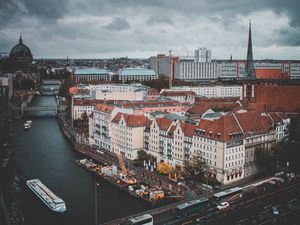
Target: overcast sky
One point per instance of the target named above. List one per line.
(142, 28)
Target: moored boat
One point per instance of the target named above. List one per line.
(53, 202)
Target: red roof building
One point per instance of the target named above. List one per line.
(104, 108)
(131, 120)
(276, 98)
(275, 74)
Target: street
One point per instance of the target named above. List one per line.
(256, 210)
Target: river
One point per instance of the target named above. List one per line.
(44, 153)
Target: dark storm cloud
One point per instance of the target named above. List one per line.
(156, 24)
(43, 9)
(118, 24)
(289, 37)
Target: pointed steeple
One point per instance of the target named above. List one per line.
(20, 39)
(250, 73)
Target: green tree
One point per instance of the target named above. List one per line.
(263, 156)
(194, 170)
(85, 119)
(142, 156)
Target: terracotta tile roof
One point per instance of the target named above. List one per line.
(73, 90)
(168, 93)
(188, 129)
(85, 102)
(277, 117)
(198, 109)
(282, 115)
(172, 129)
(152, 104)
(131, 120)
(149, 122)
(234, 126)
(153, 91)
(221, 129)
(270, 74)
(223, 104)
(278, 98)
(163, 123)
(104, 108)
(219, 100)
(254, 123)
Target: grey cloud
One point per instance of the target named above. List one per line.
(288, 37)
(118, 23)
(135, 16)
(159, 19)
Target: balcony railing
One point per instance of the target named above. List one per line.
(260, 142)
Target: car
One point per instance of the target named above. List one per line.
(223, 205)
(275, 210)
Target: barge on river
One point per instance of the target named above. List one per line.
(53, 202)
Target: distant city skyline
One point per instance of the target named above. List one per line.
(140, 29)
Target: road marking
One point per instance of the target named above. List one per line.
(242, 220)
(251, 200)
(188, 222)
(198, 219)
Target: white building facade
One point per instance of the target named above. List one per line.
(136, 74)
(190, 71)
(213, 91)
(90, 74)
(127, 134)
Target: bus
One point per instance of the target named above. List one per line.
(191, 207)
(228, 195)
(145, 219)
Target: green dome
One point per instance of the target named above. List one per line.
(20, 52)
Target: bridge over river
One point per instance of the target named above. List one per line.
(51, 108)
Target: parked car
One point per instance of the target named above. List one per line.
(223, 205)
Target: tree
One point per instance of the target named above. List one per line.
(164, 168)
(85, 119)
(263, 156)
(270, 158)
(194, 170)
(142, 155)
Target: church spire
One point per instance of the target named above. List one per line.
(20, 39)
(250, 73)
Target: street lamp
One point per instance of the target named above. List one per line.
(96, 203)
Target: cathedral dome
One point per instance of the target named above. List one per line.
(20, 52)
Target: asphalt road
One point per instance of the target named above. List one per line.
(253, 211)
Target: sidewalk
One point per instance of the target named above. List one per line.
(248, 180)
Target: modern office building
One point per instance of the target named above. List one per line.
(136, 74)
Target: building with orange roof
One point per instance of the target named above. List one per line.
(169, 141)
(180, 96)
(81, 106)
(73, 90)
(273, 74)
(161, 105)
(100, 131)
(271, 97)
(127, 134)
(227, 144)
(100, 126)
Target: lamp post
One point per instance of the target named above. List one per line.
(96, 203)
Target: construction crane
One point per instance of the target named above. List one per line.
(124, 177)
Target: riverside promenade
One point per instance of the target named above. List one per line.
(141, 174)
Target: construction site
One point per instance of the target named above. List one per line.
(137, 183)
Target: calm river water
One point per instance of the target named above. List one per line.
(44, 153)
